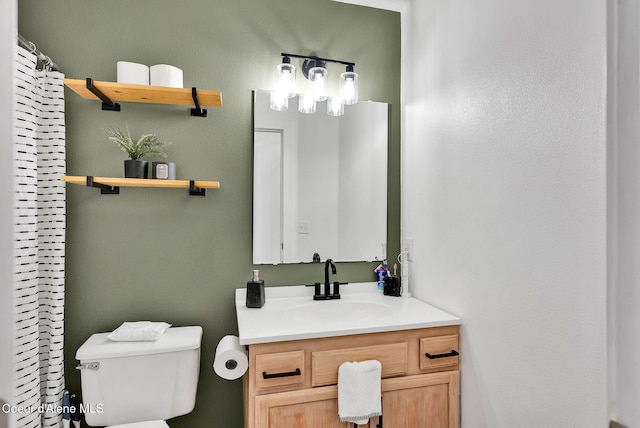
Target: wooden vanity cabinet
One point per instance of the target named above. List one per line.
(293, 383)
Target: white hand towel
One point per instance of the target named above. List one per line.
(140, 331)
(359, 391)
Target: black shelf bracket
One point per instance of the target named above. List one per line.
(196, 191)
(107, 104)
(104, 189)
(197, 111)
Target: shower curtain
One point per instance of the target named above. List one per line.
(39, 219)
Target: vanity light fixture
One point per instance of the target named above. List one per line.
(314, 69)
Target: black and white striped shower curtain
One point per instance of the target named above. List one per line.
(39, 218)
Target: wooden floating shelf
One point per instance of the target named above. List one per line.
(126, 92)
(111, 185)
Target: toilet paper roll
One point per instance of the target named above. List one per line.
(166, 75)
(231, 361)
(132, 72)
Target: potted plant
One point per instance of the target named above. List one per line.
(147, 146)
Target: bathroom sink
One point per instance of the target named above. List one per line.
(338, 311)
(290, 313)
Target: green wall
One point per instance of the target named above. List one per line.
(160, 254)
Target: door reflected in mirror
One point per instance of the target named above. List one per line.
(319, 183)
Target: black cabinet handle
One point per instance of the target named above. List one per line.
(297, 372)
(453, 353)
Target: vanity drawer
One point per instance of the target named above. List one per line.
(439, 352)
(280, 369)
(393, 356)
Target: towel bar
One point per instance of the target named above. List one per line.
(378, 425)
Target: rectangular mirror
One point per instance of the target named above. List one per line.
(319, 183)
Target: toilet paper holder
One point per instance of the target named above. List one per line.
(231, 360)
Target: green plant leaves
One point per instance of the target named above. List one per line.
(147, 146)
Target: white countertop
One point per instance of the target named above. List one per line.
(290, 313)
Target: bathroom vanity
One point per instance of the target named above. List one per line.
(296, 345)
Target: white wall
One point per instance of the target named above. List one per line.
(318, 175)
(8, 28)
(267, 195)
(365, 162)
(625, 206)
(504, 193)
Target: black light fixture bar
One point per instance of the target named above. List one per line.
(317, 58)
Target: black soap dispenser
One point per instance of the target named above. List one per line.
(255, 292)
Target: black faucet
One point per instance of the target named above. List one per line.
(327, 284)
(328, 295)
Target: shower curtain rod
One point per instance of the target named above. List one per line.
(48, 62)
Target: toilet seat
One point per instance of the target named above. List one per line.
(147, 424)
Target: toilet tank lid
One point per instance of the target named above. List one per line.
(98, 346)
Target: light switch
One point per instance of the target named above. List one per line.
(304, 227)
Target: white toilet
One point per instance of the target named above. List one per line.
(139, 384)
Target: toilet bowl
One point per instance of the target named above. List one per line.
(139, 384)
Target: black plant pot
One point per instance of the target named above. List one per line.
(136, 168)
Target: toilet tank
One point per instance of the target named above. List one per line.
(126, 382)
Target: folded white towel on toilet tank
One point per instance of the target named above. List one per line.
(359, 391)
(139, 331)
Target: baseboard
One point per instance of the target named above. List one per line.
(614, 424)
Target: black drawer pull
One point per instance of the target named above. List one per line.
(453, 353)
(297, 372)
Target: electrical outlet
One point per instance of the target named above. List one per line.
(304, 227)
(407, 247)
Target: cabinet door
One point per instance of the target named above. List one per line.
(308, 408)
(430, 401)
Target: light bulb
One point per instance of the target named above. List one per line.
(286, 80)
(278, 101)
(318, 83)
(306, 104)
(335, 106)
(349, 87)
